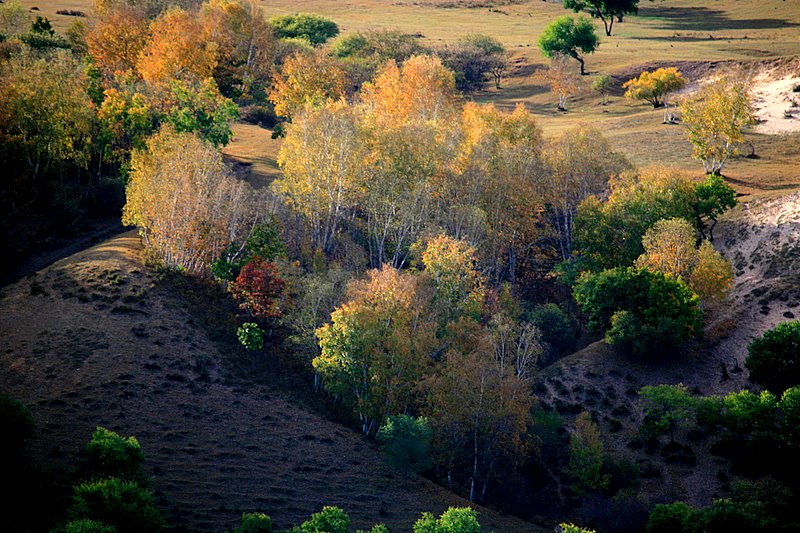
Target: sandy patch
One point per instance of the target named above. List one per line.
(777, 105)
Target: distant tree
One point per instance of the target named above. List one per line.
(654, 86)
(602, 84)
(715, 117)
(774, 357)
(665, 408)
(122, 504)
(259, 288)
(558, 331)
(251, 336)
(42, 25)
(454, 520)
(117, 37)
(586, 457)
(14, 19)
(572, 528)
(406, 442)
(643, 312)
(255, 523)
(714, 197)
(313, 28)
(567, 35)
(330, 520)
(110, 455)
(563, 79)
(604, 10)
(306, 79)
(472, 58)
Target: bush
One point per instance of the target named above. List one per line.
(671, 518)
(572, 528)
(329, 520)
(255, 523)
(110, 455)
(406, 442)
(260, 115)
(640, 311)
(308, 26)
(251, 336)
(558, 331)
(88, 526)
(454, 520)
(774, 358)
(17, 425)
(122, 504)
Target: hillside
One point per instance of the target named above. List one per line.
(96, 339)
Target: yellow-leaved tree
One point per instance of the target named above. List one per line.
(563, 79)
(654, 86)
(307, 78)
(715, 118)
(117, 35)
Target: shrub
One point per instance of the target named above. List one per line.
(16, 423)
(558, 331)
(255, 523)
(774, 358)
(259, 288)
(251, 336)
(454, 520)
(671, 518)
(110, 455)
(88, 526)
(329, 520)
(308, 26)
(572, 528)
(406, 442)
(122, 504)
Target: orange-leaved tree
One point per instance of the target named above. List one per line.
(307, 79)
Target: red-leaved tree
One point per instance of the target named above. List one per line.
(259, 288)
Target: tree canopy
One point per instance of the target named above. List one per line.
(568, 35)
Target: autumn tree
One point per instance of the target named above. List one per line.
(715, 117)
(310, 27)
(586, 457)
(177, 49)
(604, 10)
(306, 79)
(580, 163)
(669, 247)
(259, 288)
(569, 36)
(563, 79)
(116, 37)
(654, 86)
(712, 275)
(245, 47)
(185, 201)
(478, 409)
(321, 158)
(14, 19)
(376, 346)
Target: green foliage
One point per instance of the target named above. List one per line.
(487, 43)
(16, 423)
(602, 84)
(604, 10)
(714, 197)
(558, 330)
(110, 455)
(43, 41)
(265, 241)
(774, 358)
(42, 26)
(88, 526)
(308, 26)
(454, 520)
(251, 336)
(255, 523)
(572, 528)
(406, 442)
(329, 520)
(789, 432)
(122, 504)
(665, 407)
(675, 517)
(377, 528)
(199, 107)
(566, 35)
(638, 310)
(586, 457)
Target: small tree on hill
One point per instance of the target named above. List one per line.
(602, 84)
(714, 197)
(110, 455)
(454, 520)
(308, 26)
(259, 288)
(586, 457)
(654, 86)
(604, 10)
(567, 35)
(774, 358)
(665, 407)
(563, 79)
(406, 442)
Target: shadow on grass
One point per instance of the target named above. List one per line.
(706, 19)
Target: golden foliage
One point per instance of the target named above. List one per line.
(306, 79)
(117, 37)
(654, 86)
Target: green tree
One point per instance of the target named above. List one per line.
(454, 520)
(665, 408)
(199, 107)
(251, 336)
(586, 457)
(567, 35)
(17, 424)
(603, 84)
(406, 442)
(604, 10)
(110, 455)
(676, 517)
(313, 28)
(330, 520)
(642, 312)
(122, 504)
(255, 523)
(88, 526)
(714, 197)
(774, 358)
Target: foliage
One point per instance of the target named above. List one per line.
(199, 107)
(665, 408)
(654, 86)
(774, 358)
(586, 457)
(605, 10)
(712, 276)
(121, 504)
(558, 331)
(308, 26)
(374, 350)
(255, 523)
(675, 517)
(259, 288)
(563, 79)
(117, 38)
(14, 18)
(251, 336)
(714, 197)
(572, 528)
(329, 520)
(42, 25)
(669, 247)
(406, 442)
(110, 455)
(454, 520)
(88, 526)
(17, 424)
(306, 80)
(567, 35)
(602, 84)
(643, 312)
(472, 58)
(265, 241)
(715, 117)
(186, 203)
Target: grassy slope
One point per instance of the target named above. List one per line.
(96, 339)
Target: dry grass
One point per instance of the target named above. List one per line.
(254, 146)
